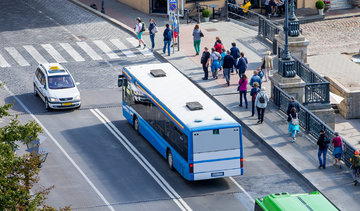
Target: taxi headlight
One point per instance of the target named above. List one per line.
(52, 99)
(77, 97)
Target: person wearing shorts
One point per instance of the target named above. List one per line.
(138, 31)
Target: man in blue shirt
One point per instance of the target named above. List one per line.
(255, 78)
(234, 52)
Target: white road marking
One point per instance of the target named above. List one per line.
(135, 43)
(35, 54)
(72, 52)
(106, 49)
(142, 161)
(242, 189)
(17, 56)
(93, 55)
(122, 47)
(3, 62)
(61, 148)
(54, 53)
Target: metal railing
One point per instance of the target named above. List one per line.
(311, 123)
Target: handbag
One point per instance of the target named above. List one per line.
(154, 30)
(201, 34)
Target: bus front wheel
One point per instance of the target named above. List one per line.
(170, 159)
(136, 124)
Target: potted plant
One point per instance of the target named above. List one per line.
(327, 5)
(206, 15)
(320, 5)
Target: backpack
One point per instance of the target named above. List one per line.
(262, 99)
(356, 161)
(143, 27)
(295, 121)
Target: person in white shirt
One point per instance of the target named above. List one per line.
(139, 30)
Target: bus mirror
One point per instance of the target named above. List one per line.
(120, 80)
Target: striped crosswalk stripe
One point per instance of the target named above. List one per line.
(134, 42)
(72, 52)
(56, 55)
(89, 51)
(17, 56)
(3, 62)
(35, 54)
(106, 49)
(121, 46)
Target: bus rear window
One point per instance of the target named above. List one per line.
(216, 140)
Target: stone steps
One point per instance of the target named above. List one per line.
(340, 4)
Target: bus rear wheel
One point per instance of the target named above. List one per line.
(136, 124)
(170, 159)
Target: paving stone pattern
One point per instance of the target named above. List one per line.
(333, 36)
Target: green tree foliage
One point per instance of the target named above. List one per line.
(19, 174)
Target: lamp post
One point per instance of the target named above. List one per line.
(286, 63)
(102, 7)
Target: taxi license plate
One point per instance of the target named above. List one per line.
(67, 104)
(217, 174)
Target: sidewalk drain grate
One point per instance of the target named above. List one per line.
(211, 30)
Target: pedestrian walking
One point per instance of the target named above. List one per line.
(219, 46)
(175, 31)
(242, 64)
(216, 40)
(253, 92)
(255, 78)
(139, 29)
(355, 167)
(167, 39)
(261, 102)
(293, 119)
(243, 89)
(197, 34)
(323, 143)
(215, 62)
(235, 52)
(267, 64)
(228, 64)
(293, 104)
(260, 73)
(223, 54)
(337, 143)
(152, 30)
(205, 59)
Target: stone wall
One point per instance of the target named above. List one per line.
(349, 108)
(141, 5)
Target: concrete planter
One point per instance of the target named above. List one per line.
(206, 19)
(321, 11)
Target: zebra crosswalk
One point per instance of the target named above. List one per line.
(81, 51)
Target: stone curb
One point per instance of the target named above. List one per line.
(244, 126)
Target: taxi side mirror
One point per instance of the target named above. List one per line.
(120, 80)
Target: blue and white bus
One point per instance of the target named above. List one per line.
(198, 138)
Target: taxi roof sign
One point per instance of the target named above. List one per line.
(54, 68)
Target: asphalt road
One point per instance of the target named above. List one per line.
(91, 165)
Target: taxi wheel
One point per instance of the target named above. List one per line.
(170, 159)
(35, 92)
(47, 107)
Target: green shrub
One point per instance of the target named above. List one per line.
(206, 13)
(320, 5)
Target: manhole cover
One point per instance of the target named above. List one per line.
(211, 30)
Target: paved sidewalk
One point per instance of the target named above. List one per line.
(335, 183)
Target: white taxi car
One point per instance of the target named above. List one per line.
(56, 87)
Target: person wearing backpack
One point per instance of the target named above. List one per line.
(293, 119)
(242, 64)
(153, 30)
(253, 92)
(261, 102)
(255, 78)
(323, 143)
(355, 160)
(167, 39)
(140, 27)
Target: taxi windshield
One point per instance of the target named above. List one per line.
(60, 82)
